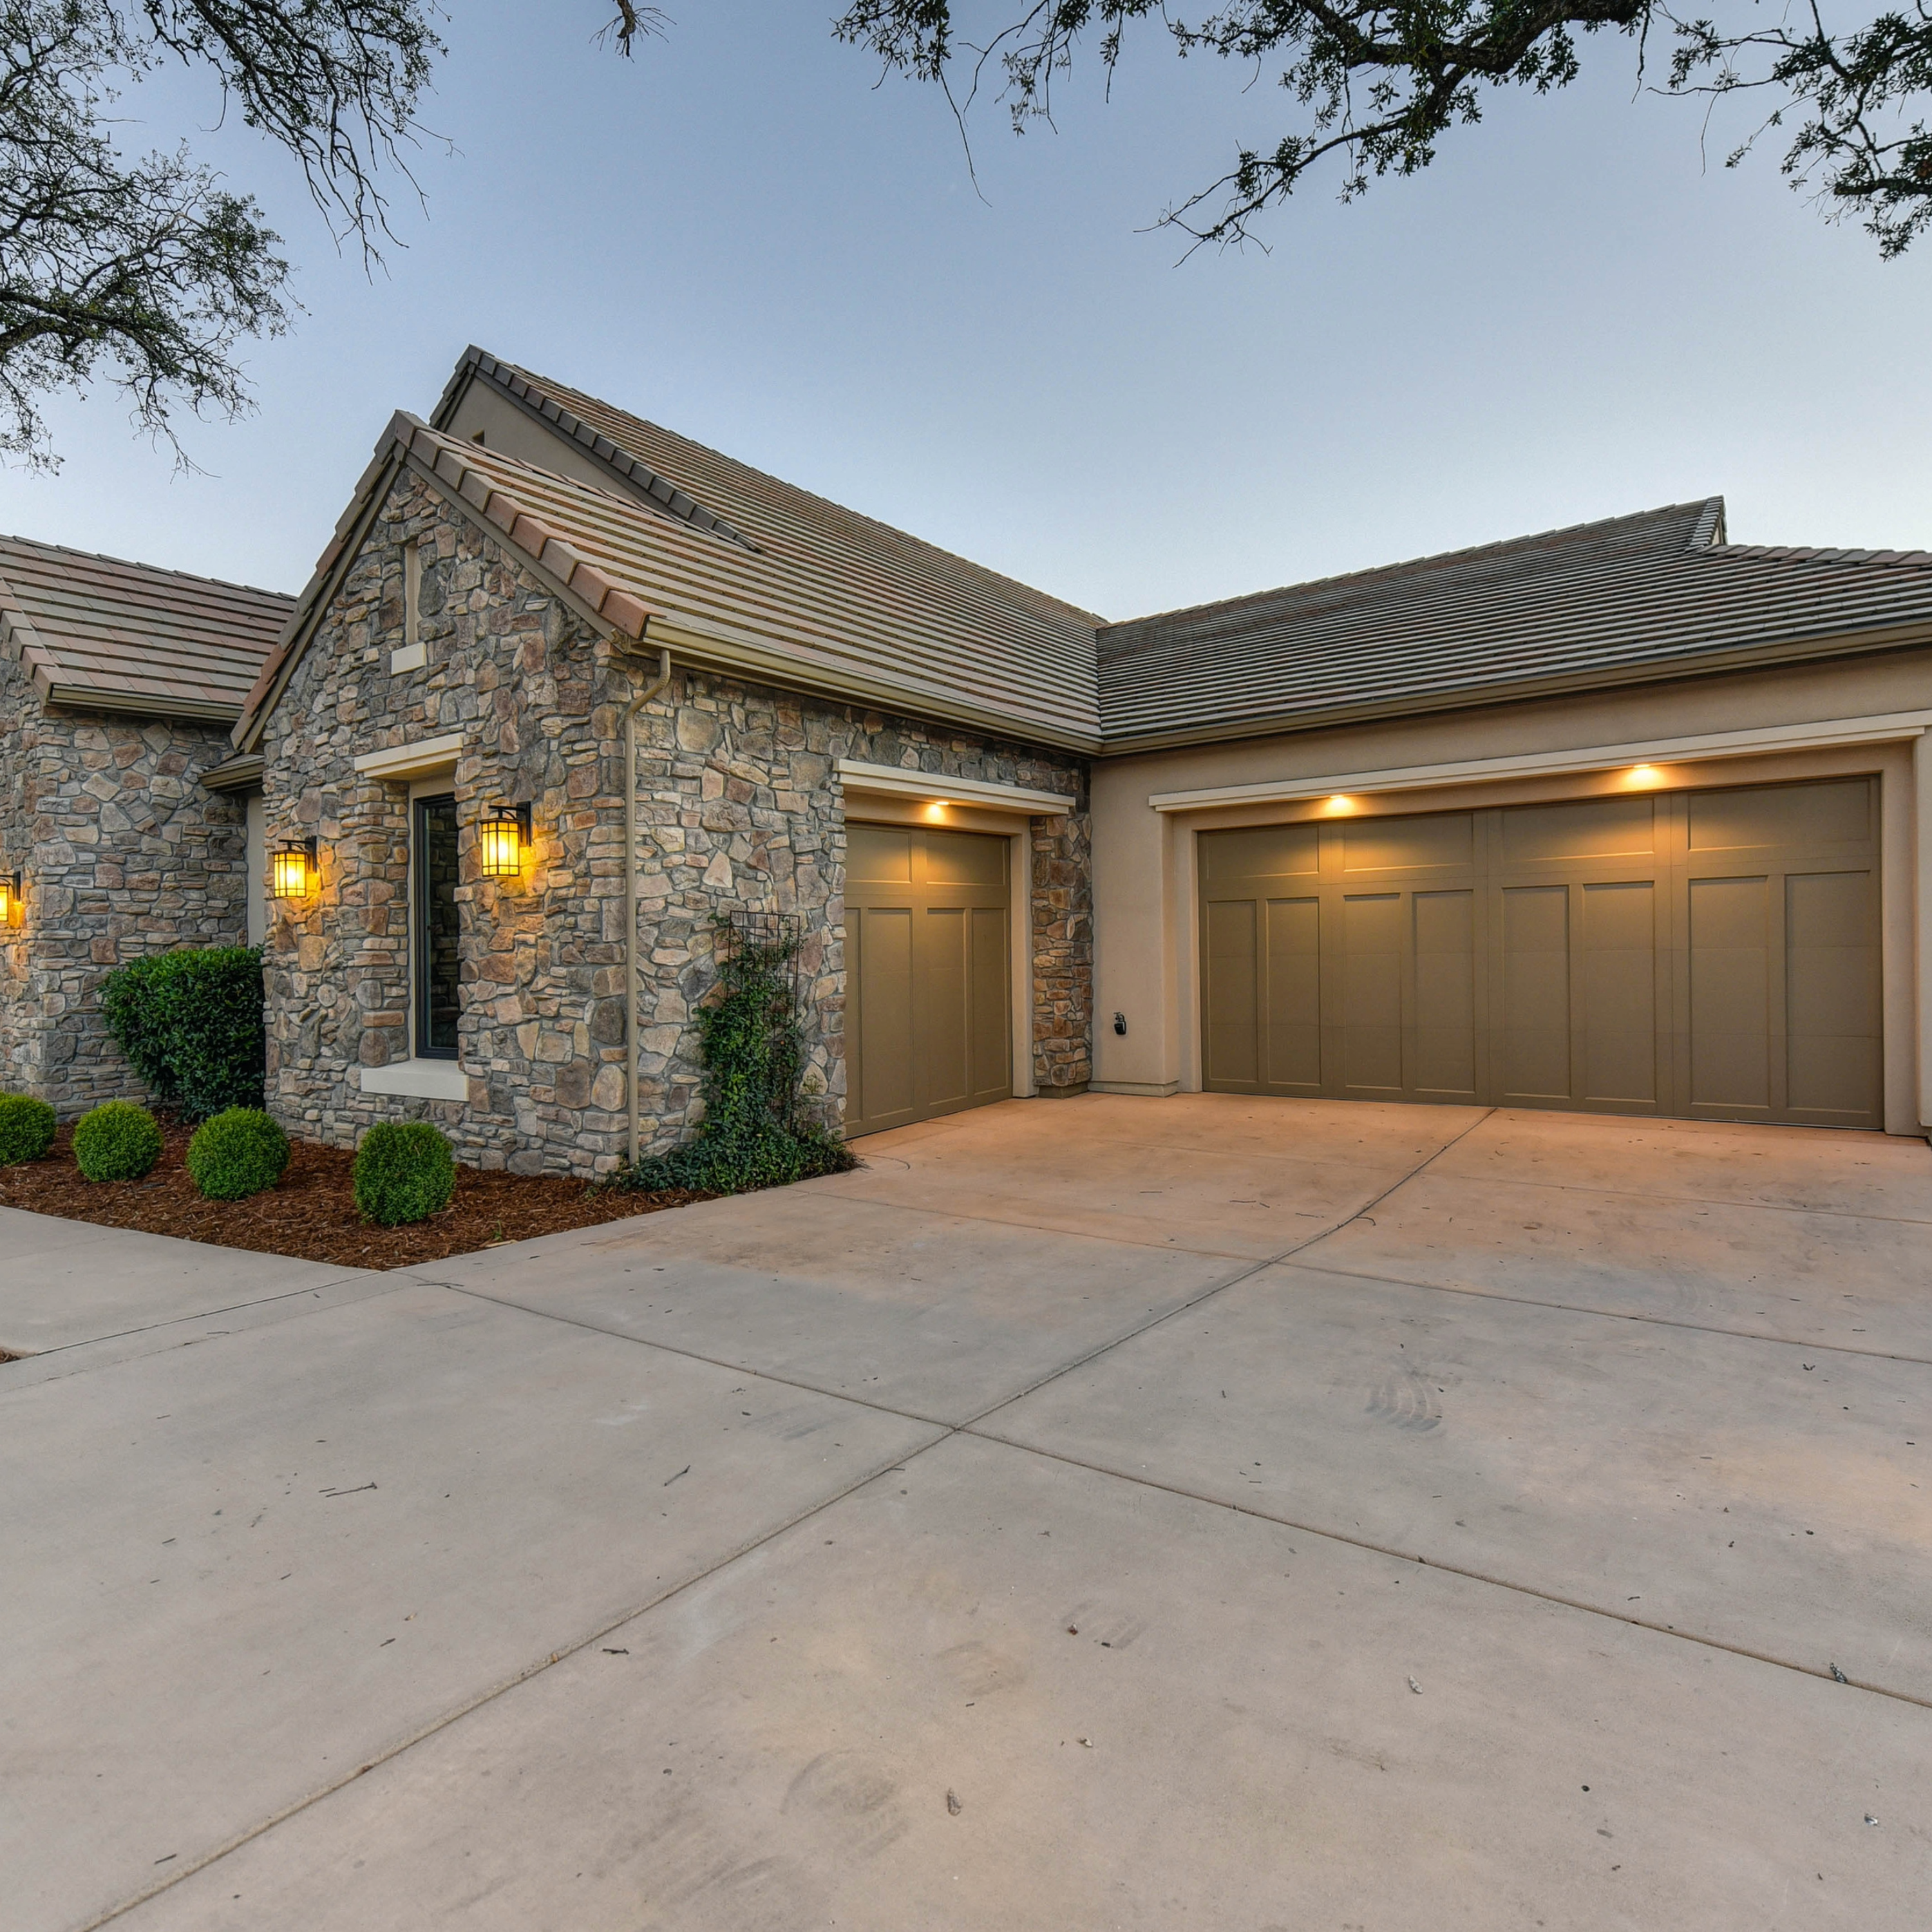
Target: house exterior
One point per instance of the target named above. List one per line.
(1623, 818)
(119, 686)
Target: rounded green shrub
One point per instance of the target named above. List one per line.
(189, 1022)
(404, 1172)
(240, 1152)
(118, 1141)
(26, 1128)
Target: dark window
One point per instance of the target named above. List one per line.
(436, 928)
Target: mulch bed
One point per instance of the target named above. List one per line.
(311, 1213)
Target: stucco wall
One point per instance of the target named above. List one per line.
(123, 854)
(737, 809)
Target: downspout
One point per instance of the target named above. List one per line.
(652, 689)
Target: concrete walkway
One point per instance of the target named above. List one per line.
(1097, 1514)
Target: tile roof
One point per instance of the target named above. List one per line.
(733, 567)
(841, 590)
(101, 634)
(1657, 594)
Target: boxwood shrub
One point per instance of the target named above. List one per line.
(118, 1141)
(26, 1128)
(189, 1022)
(240, 1152)
(405, 1170)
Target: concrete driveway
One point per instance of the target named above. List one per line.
(1104, 1513)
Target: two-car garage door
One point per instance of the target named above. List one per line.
(1704, 953)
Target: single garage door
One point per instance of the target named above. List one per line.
(1710, 954)
(928, 971)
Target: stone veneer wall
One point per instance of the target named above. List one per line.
(123, 854)
(737, 809)
(738, 806)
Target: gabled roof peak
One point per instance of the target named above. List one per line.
(537, 396)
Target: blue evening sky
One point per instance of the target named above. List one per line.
(739, 235)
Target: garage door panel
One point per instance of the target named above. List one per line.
(1260, 853)
(990, 1044)
(1371, 977)
(1444, 842)
(940, 995)
(1233, 1059)
(1836, 1081)
(963, 858)
(1618, 948)
(1536, 993)
(1293, 1006)
(1830, 923)
(1836, 811)
(878, 854)
(882, 1088)
(1730, 995)
(1832, 998)
(1445, 995)
(1609, 828)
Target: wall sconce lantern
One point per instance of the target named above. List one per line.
(502, 838)
(12, 907)
(292, 868)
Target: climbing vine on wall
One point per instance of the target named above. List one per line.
(756, 1131)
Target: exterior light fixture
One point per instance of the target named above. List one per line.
(501, 838)
(1643, 775)
(291, 869)
(11, 905)
(936, 810)
(1339, 802)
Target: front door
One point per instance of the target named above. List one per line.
(928, 974)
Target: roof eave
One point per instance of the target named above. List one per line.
(237, 774)
(741, 654)
(1789, 652)
(138, 703)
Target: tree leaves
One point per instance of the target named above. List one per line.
(149, 270)
(1381, 81)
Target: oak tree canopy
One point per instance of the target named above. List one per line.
(147, 272)
(1374, 85)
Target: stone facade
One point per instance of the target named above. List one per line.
(122, 853)
(737, 809)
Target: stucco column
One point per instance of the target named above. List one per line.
(1922, 918)
(1134, 953)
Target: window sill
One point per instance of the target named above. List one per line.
(418, 1080)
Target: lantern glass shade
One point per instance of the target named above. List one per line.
(10, 898)
(291, 867)
(501, 837)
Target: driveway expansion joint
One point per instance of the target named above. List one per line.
(1610, 1314)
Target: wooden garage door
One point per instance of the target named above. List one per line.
(928, 966)
(1706, 953)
